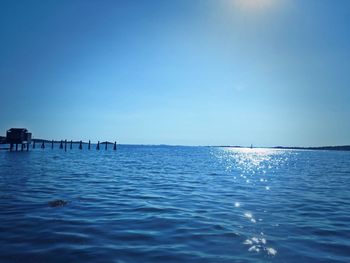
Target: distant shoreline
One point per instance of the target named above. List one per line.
(320, 148)
(324, 148)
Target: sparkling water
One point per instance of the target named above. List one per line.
(174, 204)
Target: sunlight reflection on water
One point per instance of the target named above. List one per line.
(253, 160)
(255, 167)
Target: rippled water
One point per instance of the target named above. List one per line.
(172, 204)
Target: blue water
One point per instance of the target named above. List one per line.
(175, 204)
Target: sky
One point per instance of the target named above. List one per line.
(198, 72)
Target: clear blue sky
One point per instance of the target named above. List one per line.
(199, 72)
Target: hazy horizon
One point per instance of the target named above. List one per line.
(223, 72)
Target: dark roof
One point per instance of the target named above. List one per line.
(18, 129)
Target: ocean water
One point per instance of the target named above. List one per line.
(175, 204)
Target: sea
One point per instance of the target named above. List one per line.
(174, 204)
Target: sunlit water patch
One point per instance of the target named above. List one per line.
(171, 204)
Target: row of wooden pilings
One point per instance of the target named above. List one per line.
(63, 145)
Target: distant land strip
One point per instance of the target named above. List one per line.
(324, 148)
(328, 148)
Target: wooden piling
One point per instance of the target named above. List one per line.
(27, 144)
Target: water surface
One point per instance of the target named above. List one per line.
(172, 204)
